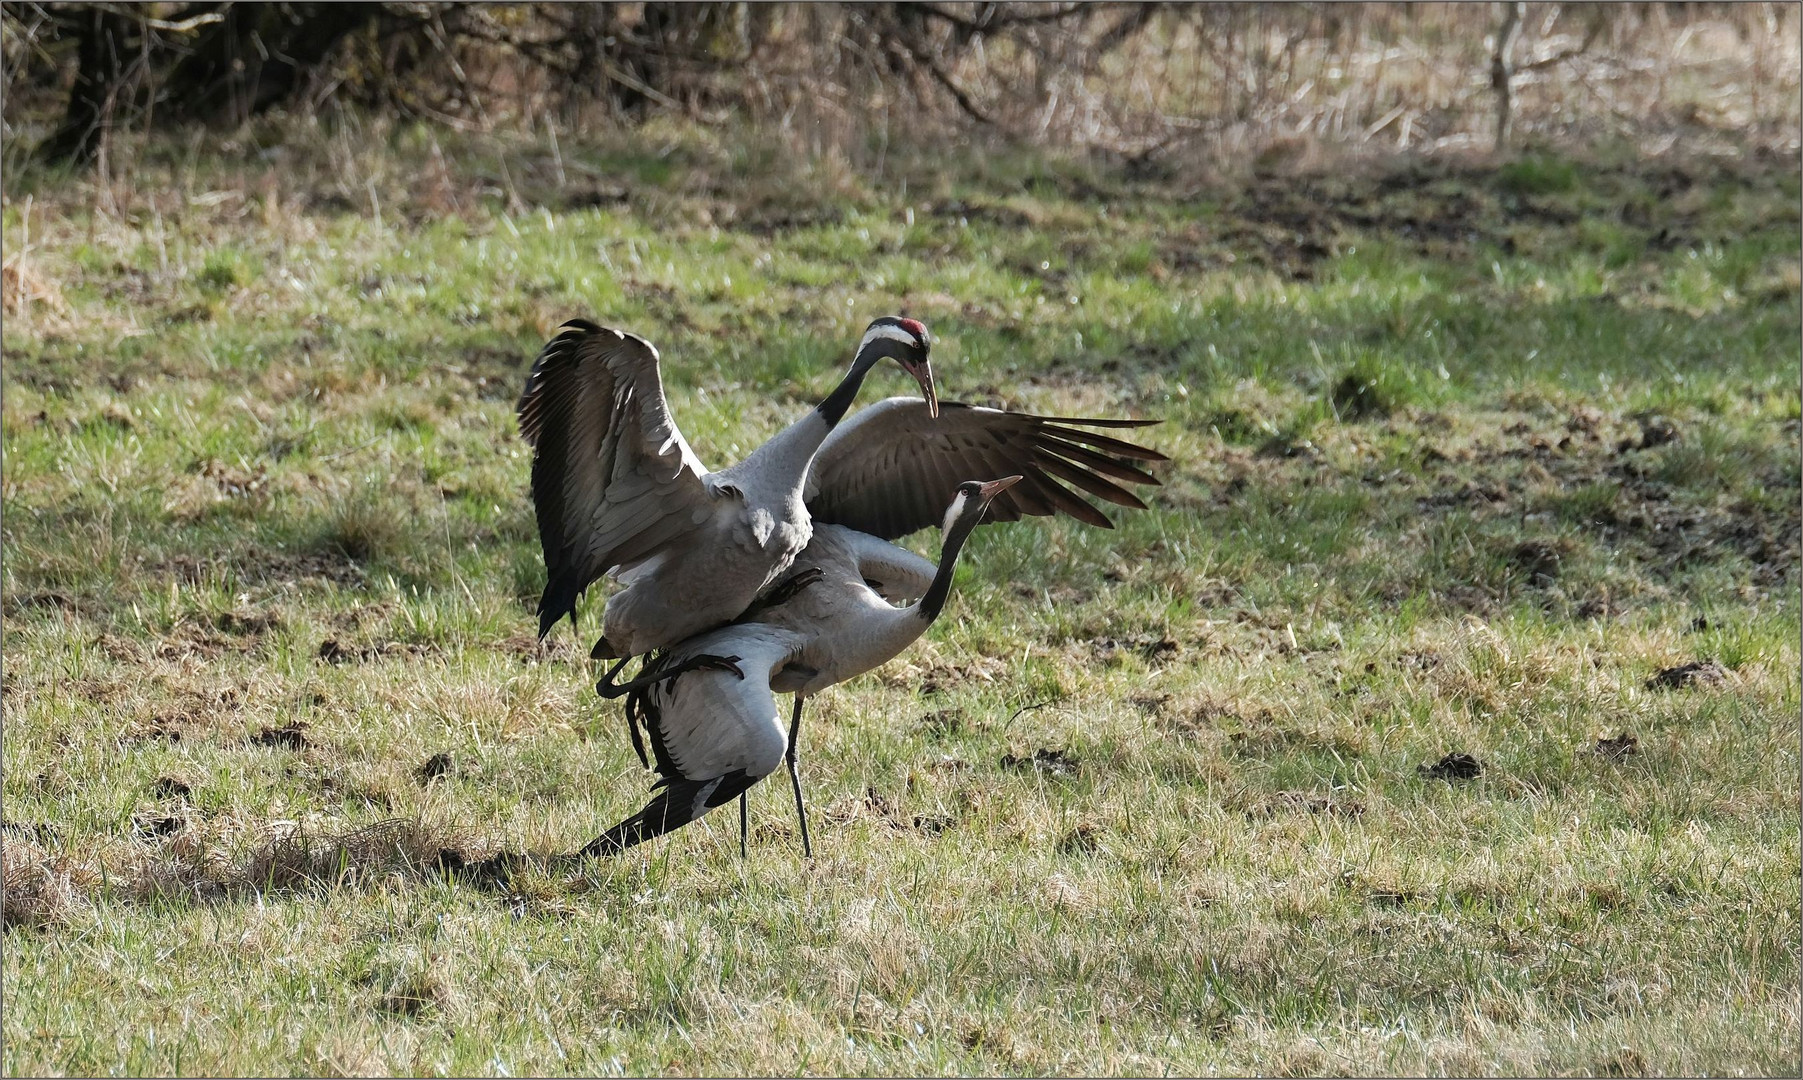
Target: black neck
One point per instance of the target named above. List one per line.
(833, 408)
(934, 601)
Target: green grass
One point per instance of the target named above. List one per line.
(1461, 458)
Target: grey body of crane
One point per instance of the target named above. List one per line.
(717, 731)
(618, 491)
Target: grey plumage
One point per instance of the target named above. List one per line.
(618, 491)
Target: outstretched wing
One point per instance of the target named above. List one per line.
(612, 478)
(892, 469)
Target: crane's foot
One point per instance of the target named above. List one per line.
(710, 662)
(607, 688)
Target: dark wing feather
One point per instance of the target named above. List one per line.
(612, 478)
(891, 469)
(680, 802)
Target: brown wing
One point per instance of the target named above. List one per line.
(892, 469)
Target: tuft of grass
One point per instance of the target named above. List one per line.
(1538, 174)
(364, 527)
(222, 270)
(1373, 388)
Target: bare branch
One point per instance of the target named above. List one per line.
(1131, 24)
(926, 60)
(1590, 36)
(1500, 70)
(989, 21)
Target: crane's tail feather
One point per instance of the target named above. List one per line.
(680, 802)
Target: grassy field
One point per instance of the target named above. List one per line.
(1464, 457)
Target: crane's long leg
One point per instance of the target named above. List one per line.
(744, 823)
(607, 688)
(807, 848)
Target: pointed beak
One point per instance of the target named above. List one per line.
(924, 374)
(996, 487)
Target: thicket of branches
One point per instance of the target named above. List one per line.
(1136, 78)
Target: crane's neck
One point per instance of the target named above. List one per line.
(783, 462)
(930, 605)
(899, 627)
(832, 410)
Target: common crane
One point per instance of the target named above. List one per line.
(716, 732)
(832, 618)
(616, 488)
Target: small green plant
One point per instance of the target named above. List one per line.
(221, 270)
(1372, 388)
(1538, 175)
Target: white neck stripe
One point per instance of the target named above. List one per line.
(953, 512)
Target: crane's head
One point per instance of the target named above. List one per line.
(907, 343)
(972, 499)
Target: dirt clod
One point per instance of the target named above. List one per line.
(1657, 431)
(1593, 607)
(1618, 748)
(1697, 673)
(1150, 704)
(414, 996)
(439, 764)
(156, 826)
(1540, 560)
(168, 787)
(1049, 762)
(1355, 397)
(247, 622)
(291, 736)
(332, 651)
(1150, 647)
(1454, 766)
(1085, 839)
(944, 721)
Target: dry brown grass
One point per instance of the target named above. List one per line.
(187, 857)
(41, 887)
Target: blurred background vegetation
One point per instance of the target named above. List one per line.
(1148, 84)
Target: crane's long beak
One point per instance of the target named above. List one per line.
(996, 487)
(924, 375)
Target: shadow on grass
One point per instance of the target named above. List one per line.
(45, 886)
